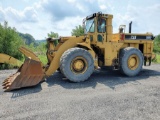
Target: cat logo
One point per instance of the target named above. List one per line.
(133, 37)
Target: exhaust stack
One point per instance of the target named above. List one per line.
(130, 27)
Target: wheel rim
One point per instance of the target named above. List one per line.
(133, 62)
(79, 65)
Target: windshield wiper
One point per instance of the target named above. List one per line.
(90, 26)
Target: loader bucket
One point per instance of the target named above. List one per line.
(29, 74)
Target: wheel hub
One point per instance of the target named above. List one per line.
(79, 65)
(133, 62)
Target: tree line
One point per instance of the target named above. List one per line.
(11, 40)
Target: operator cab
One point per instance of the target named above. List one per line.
(97, 26)
(89, 24)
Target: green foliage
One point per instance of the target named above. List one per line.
(6, 66)
(157, 58)
(78, 31)
(156, 48)
(40, 41)
(28, 39)
(43, 58)
(10, 41)
(39, 50)
(53, 35)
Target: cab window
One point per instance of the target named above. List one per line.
(101, 25)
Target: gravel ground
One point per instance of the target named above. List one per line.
(106, 95)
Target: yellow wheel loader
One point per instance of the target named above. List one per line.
(77, 56)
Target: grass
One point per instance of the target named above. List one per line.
(43, 59)
(157, 59)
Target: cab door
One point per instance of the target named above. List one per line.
(101, 29)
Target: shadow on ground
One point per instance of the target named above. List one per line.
(110, 78)
(26, 91)
(107, 77)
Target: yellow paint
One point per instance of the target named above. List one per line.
(133, 62)
(28, 53)
(9, 60)
(70, 43)
(105, 44)
(79, 65)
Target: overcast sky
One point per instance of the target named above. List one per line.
(39, 17)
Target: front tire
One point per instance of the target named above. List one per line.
(131, 61)
(77, 64)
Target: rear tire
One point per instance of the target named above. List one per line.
(77, 64)
(131, 61)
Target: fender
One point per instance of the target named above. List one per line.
(84, 45)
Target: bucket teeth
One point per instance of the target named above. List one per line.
(8, 82)
(5, 80)
(10, 78)
(7, 86)
(29, 74)
(4, 84)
